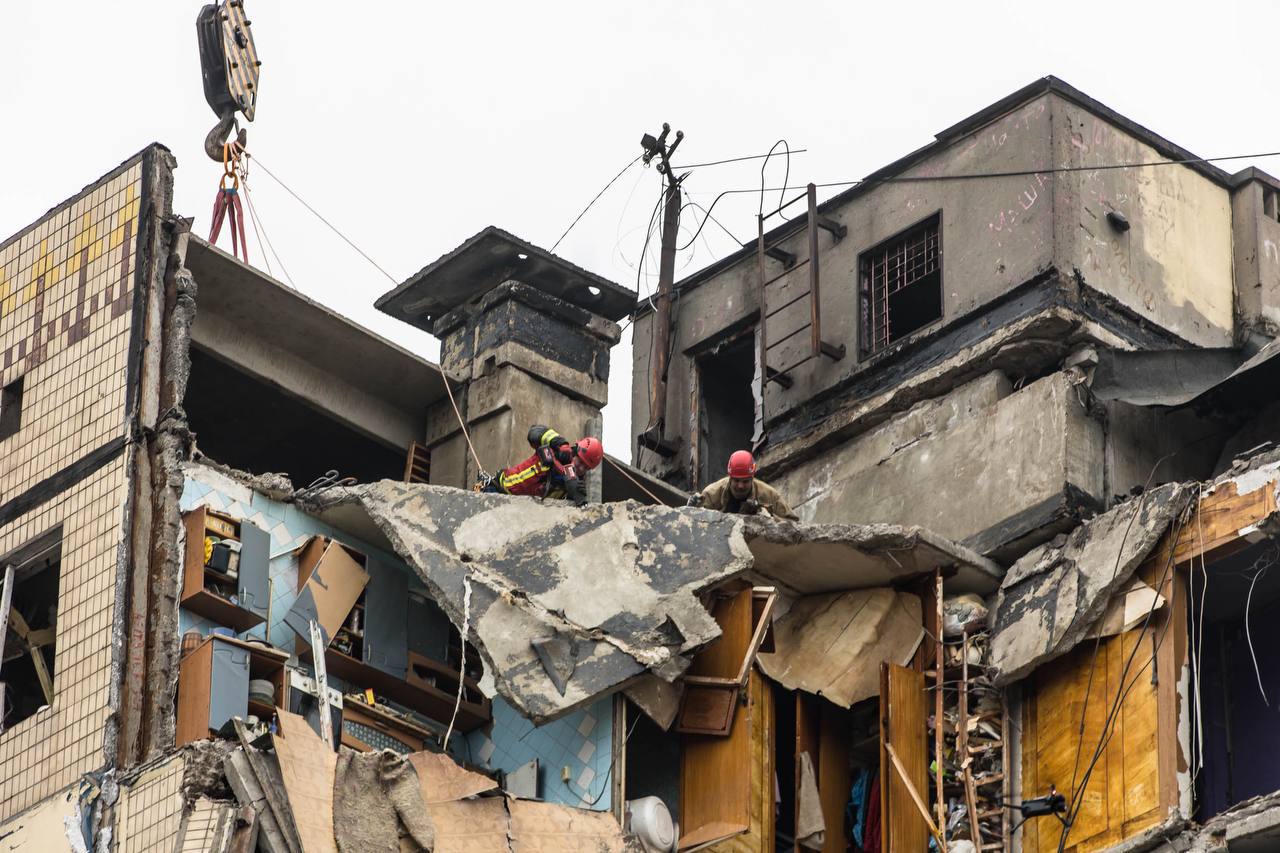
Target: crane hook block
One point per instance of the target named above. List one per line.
(229, 61)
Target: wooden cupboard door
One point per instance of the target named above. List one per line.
(904, 725)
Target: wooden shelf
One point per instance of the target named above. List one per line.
(423, 698)
(220, 610)
(261, 711)
(196, 597)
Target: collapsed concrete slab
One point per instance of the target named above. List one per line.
(1055, 593)
(564, 604)
(812, 558)
(568, 604)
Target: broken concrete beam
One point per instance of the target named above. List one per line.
(1055, 593)
(249, 792)
(605, 592)
(813, 558)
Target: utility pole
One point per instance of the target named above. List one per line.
(657, 148)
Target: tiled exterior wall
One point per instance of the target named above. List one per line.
(66, 294)
(66, 290)
(149, 811)
(49, 750)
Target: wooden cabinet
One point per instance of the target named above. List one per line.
(213, 684)
(230, 591)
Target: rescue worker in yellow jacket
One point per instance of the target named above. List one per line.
(742, 493)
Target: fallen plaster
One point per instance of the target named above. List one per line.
(1055, 593)
(609, 591)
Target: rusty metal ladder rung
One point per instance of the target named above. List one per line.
(818, 346)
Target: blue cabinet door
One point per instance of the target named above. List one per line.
(229, 684)
(255, 552)
(386, 604)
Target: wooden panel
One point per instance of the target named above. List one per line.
(723, 658)
(834, 777)
(903, 716)
(1222, 516)
(193, 559)
(194, 677)
(808, 739)
(760, 833)
(1124, 791)
(716, 773)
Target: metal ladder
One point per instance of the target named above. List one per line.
(775, 301)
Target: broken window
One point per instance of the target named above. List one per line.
(11, 408)
(1236, 626)
(901, 285)
(726, 404)
(29, 609)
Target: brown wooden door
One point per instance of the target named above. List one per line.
(903, 723)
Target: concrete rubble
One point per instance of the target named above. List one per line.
(514, 571)
(1052, 596)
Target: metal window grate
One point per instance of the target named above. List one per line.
(911, 259)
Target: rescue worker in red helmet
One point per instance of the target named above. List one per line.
(555, 470)
(742, 493)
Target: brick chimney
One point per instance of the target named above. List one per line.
(527, 336)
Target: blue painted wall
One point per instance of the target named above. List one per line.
(583, 741)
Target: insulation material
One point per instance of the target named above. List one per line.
(471, 826)
(833, 645)
(528, 563)
(550, 828)
(376, 800)
(1127, 610)
(1056, 592)
(308, 768)
(443, 781)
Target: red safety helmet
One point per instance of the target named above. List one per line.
(741, 465)
(590, 451)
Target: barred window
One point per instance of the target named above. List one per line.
(901, 285)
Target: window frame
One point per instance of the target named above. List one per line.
(867, 346)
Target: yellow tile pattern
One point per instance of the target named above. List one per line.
(66, 288)
(149, 812)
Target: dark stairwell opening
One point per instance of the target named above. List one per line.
(726, 405)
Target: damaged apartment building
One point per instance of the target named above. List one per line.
(251, 601)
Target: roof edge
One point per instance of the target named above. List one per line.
(948, 136)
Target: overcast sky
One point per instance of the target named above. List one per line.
(413, 125)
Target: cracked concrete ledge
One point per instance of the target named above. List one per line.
(1249, 827)
(1054, 594)
(814, 558)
